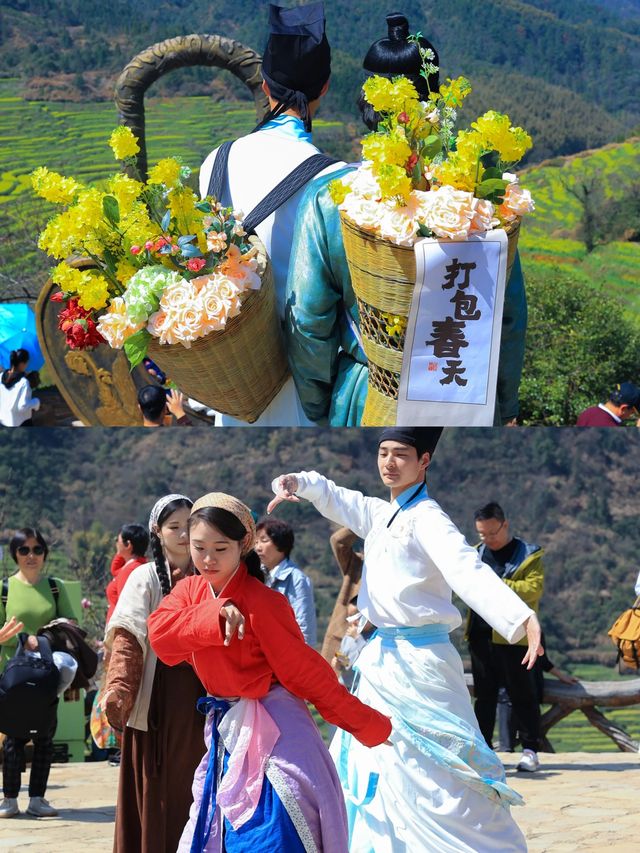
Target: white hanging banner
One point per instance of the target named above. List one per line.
(452, 344)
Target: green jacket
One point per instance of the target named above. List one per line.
(525, 575)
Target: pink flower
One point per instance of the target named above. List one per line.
(149, 245)
(195, 264)
(135, 250)
(86, 604)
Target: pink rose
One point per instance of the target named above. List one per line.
(517, 202)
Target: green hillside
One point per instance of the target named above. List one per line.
(552, 236)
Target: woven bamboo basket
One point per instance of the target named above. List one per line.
(383, 276)
(240, 369)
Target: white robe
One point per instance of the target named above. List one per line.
(439, 787)
(257, 163)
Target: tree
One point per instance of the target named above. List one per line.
(586, 187)
(579, 344)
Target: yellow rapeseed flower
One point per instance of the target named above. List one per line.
(125, 189)
(69, 279)
(338, 191)
(94, 294)
(379, 92)
(54, 187)
(165, 172)
(383, 149)
(124, 270)
(394, 182)
(453, 92)
(123, 143)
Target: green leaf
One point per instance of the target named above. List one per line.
(490, 187)
(136, 347)
(203, 206)
(423, 231)
(111, 209)
(492, 173)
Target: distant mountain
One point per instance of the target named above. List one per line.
(556, 61)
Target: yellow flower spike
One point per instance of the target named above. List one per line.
(166, 171)
(69, 279)
(126, 190)
(123, 143)
(94, 294)
(338, 191)
(54, 187)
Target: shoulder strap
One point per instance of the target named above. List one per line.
(287, 188)
(55, 592)
(5, 592)
(219, 171)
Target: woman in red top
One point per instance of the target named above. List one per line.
(278, 789)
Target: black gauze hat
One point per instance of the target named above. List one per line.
(297, 58)
(424, 439)
(394, 55)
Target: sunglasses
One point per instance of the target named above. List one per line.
(24, 550)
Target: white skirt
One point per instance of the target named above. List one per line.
(438, 788)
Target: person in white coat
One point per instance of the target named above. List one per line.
(17, 404)
(438, 786)
(296, 68)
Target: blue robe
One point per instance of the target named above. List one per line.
(328, 365)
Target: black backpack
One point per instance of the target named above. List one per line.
(28, 691)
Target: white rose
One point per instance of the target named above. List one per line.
(450, 213)
(484, 218)
(398, 224)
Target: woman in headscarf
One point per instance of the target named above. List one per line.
(154, 704)
(267, 782)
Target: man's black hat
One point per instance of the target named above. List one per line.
(297, 58)
(424, 439)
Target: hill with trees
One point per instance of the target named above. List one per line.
(572, 492)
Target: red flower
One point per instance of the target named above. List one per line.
(135, 250)
(79, 327)
(403, 118)
(195, 264)
(57, 297)
(411, 162)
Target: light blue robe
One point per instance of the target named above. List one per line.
(328, 365)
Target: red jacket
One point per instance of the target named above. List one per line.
(187, 627)
(120, 569)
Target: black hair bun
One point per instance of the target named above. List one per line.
(398, 27)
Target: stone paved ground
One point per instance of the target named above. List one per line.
(576, 803)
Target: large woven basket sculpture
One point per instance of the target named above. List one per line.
(383, 276)
(238, 370)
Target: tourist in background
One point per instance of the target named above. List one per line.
(17, 404)
(33, 599)
(274, 543)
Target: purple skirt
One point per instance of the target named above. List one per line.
(302, 775)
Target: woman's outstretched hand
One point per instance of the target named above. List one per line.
(234, 622)
(534, 635)
(10, 629)
(285, 488)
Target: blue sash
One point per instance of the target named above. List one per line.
(208, 803)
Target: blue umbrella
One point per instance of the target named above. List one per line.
(18, 331)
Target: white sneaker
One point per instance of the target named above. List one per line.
(529, 761)
(39, 807)
(9, 807)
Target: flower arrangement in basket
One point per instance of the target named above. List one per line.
(419, 178)
(168, 274)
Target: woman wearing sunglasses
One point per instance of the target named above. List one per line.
(29, 598)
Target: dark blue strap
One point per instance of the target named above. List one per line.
(207, 811)
(286, 189)
(219, 171)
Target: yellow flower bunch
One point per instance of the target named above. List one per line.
(338, 191)
(54, 187)
(453, 92)
(395, 325)
(91, 287)
(123, 143)
(382, 149)
(165, 172)
(497, 134)
(390, 96)
(394, 182)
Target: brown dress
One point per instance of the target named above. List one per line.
(157, 766)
